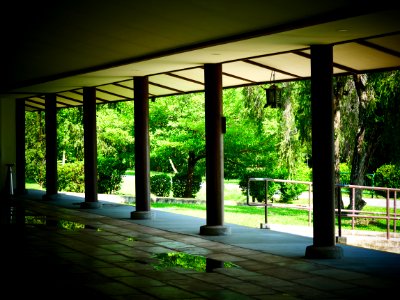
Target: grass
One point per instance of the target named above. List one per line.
(252, 216)
(232, 191)
(33, 186)
(241, 215)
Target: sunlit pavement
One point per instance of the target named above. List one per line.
(58, 250)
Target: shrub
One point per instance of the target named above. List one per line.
(344, 173)
(35, 166)
(71, 177)
(288, 191)
(160, 185)
(179, 182)
(387, 176)
(109, 172)
(257, 188)
(291, 191)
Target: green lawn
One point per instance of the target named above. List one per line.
(252, 216)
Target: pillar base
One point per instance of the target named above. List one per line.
(142, 215)
(50, 197)
(264, 226)
(214, 230)
(324, 252)
(92, 204)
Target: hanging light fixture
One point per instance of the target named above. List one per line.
(273, 94)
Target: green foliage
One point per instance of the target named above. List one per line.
(189, 262)
(70, 133)
(344, 173)
(257, 188)
(109, 172)
(71, 177)
(160, 185)
(177, 126)
(69, 225)
(387, 88)
(387, 176)
(35, 166)
(301, 94)
(179, 182)
(288, 191)
(115, 132)
(291, 191)
(182, 260)
(35, 147)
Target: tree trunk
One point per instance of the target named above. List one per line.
(338, 89)
(367, 139)
(190, 173)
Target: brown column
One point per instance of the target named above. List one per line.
(323, 155)
(51, 147)
(20, 167)
(142, 149)
(90, 148)
(214, 152)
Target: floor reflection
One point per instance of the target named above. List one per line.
(190, 262)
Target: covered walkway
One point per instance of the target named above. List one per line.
(59, 250)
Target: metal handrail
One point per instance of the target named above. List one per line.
(375, 215)
(353, 212)
(265, 204)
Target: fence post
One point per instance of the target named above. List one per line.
(339, 205)
(265, 224)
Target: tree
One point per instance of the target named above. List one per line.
(276, 150)
(115, 144)
(377, 100)
(35, 147)
(177, 134)
(70, 134)
(251, 135)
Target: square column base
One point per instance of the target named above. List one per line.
(215, 230)
(92, 204)
(142, 215)
(324, 252)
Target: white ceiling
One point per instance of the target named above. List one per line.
(63, 47)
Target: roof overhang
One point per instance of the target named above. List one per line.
(104, 47)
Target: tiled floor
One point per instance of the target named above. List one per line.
(61, 252)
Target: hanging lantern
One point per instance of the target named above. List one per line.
(273, 96)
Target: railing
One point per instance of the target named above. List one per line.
(353, 213)
(265, 204)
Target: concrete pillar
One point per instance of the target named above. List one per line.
(20, 166)
(51, 147)
(7, 143)
(142, 149)
(323, 155)
(90, 148)
(214, 152)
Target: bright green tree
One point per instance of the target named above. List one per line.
(35, 147)
(177, 136)
(115, 144)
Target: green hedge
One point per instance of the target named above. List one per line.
(109, 173)
(179, 184)
(387, 176)
(71, 177)
(160, 185)
(257, 188)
